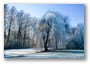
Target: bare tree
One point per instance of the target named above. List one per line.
(25, 28)
(20, 22)
(5, 18)
(11, 21)
(79, 36)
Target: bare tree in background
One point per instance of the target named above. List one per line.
(11, 21)
(26, 28)
(5, 18)
(79, 36)
(20, 22)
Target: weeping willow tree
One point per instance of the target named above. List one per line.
(52, 28)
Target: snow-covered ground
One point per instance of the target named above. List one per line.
(32, 53)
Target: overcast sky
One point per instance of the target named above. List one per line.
(74, 11)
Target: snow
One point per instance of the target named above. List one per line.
(32, 53)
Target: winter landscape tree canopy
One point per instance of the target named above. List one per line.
(51, 31)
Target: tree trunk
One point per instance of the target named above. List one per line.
(19, 37)
(56, 44)
(46, 41)
(24, 38)
(9, 30)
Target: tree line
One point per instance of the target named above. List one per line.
(52, 31)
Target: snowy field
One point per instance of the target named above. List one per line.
(31, 53)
